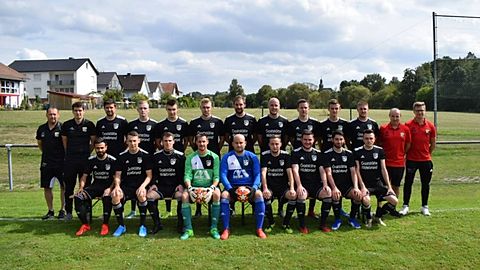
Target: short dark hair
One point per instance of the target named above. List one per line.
(275, 137)
(307, 132)
(338, 132)
(201, 134)
(368, 131)
(109, 102)
(99, 140)
(302, 100)
(171, 102)
(78, 104)
(167, 134)
(133, 133)
(333, 102)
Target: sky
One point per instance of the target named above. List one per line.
(203, 45)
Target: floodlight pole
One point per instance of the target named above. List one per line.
(435, 88)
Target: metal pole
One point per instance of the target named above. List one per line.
(9, 157)
(435, 87)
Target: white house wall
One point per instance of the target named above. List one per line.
(31, 84)
(85, 79)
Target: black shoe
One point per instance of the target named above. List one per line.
(156, 228)
(395, 213)
(61, 214)
(49, 215)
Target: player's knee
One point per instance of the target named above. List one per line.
(366, 200)
(185, 197)
(216, 195)
(225, 195)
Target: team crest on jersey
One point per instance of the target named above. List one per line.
(179, 127)
(212, 125)
(84, 129)
(173, 161)
(310, 127)
(369, 126)
(245, 162)
(427, 131)
(56, 134)
(246, 122)
(115, 125)
(139, 159)
(375, 155)
(148, 127)
(344, 158)
(402, 134)
(209, 163)
(107, 167)
(340, 127)
(281, 162)
(43, 135)
(314, 157)
(280, 124)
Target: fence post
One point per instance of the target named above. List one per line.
(9, 157)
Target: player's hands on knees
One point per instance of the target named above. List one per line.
(364, 192)
(301, 191)
(141, 192)
(266, 194)
(107, 192)
(153, 188)
(336, 194)
(116, 192)
(292, 193)
(192, 194)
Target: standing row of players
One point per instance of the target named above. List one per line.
(77, 134)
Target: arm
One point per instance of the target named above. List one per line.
(224, 174)
(65, 142)
(266, 193)
(433, 143)
(361, 185)
(296, 176)
(260, 140)
(39, 144)
(216, 171)
(386, 179)
(221, 142)
(327, 171)
(92, 142)
(82, 181)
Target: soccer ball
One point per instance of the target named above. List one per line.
(200, 195)
(242, 194)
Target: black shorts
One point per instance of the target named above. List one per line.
(48, 176)
(425, 168)
(95, 191)
(313, 189)
(395, 174)
(233, 195)
(166, 191)
(129, 192)
(278, 193)
(344, 187)
(378, 189)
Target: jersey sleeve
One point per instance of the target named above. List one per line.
(288, 161)
(256, 171)
(88, 167)
(91, 128)
(216, 168)
(325, 160)
(351, 160)
(263, 161)
(224, 173)
(187, 177)
(180, 169)
(64, 132)
(148, 162)
(295, 158)
(37, 136)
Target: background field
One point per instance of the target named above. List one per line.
(448, 239)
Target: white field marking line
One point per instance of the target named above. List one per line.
(468, 209)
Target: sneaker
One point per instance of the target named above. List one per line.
(142, 231)
(325, 229)
(61, 214)
(49, 215)
(404, 210)
(187, 234)
(83, 229)
(336, 224)
(120, 230)
(269, 228)
(287, 229)
(214, 233)
(303, 230)
(261, 234)
(156, 228)
(354, 223)
(131, 215)
(379, 221)
(395, 213)
(167, 215)
(369, 223)
(105, 229)
(425, 211)
(68, 216)
(344, 214)
(225, 234)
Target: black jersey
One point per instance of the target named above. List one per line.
(308, 165)
(276, 168)
(113, 132)
(357, 127)
(213, 128)
(179, 129)
(268, 127)
(145, 132)
(78, 139)
(340, 164)
(370, 166)
(168, 168)
(102, 171)
(133, 167)
(241, 125)
(296, 128)
(52, 146)
(326, 128)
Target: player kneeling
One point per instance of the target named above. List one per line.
(101, 168)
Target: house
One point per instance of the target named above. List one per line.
(172, 88)
(11, 87)
(107, 81)
(78, 76)
(64, 101)
(133, 84)
(155, 90)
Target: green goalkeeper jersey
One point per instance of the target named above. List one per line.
(202, 170)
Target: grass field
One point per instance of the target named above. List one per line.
(449, 239)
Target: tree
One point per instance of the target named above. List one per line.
(292, 94)
(221, 99)
(251, 101)
(138, 97)
(234, 90)
(408, 88)
(115, 94)
(425, 94)
(385, 98)
(188, 102)
(375, 82)
(350, 95)
(344, 84)
(264, 94)
(165, 97)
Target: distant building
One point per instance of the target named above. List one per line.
(133, 84)
(155, 90)
(172, 88)
(11, 87)
(107, 81)
(64, 101)
(77, 76)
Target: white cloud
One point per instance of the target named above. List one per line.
(31, 54)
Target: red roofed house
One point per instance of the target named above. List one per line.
(12, 87)
(171, 88)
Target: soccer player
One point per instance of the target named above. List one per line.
(173, 124)
(395, 140)
(240, 123)
(168, 170)
(357, 126)
(112, 128)
(133, 173)
(49, 142)
(310, 180)
(271, 125)
(419, 156)
(144, 126)
(100, 167)
(201, 171)
(296, 128)
(373, 178)
(78, 135)
(240, 167)
(330, 124)
(277, 182)
(339, 166)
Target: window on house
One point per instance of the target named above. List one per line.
(86, 65)
(37, 77)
